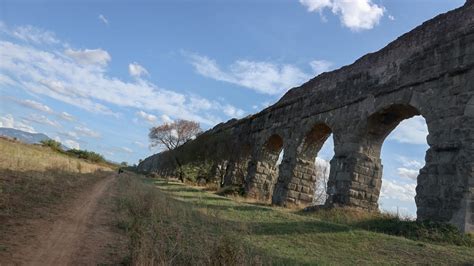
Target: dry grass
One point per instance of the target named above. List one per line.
(165, 231)
(21, 157)
(33, 177)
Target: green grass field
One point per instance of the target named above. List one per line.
(282, 236)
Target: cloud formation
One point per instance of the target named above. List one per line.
(408, 173)
(103, 19)
(97, 57)
(67, 116)
(136, 70)
(35, 105)
(80, 78)
(262, 77)
(320, 66)
(42, 120)
(411, 131)
(148, 117)
(72, 144)
(86, 132)
(30, 34)
(9, 121)
(398, 191)
(356, 15)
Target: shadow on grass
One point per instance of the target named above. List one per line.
(298, 227)
(205, 198)
(427, 231)
(246, 208)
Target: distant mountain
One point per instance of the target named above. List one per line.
(23, 136)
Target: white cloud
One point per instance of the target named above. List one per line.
(355, 14)
(66, 116)
(127, 150)
(263, 77)
(391, 17)
(411, 131)
(70, 134)
(408, 173)
(31, 34)
(35, 105)
(89, 56)
(87, 132)
(79, 78)
(43, 120)
(232, 111)
(8, 121)
(166, 119)
(320, 66)
(136, 70)
(72, 144)
(103, 19)
(139, 144)
(148, 117)
(410, 163)
(398, 191)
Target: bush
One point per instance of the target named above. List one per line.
(87, 155)
(54, 145)
(193, 172)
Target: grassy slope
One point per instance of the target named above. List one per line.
(32, 177)
(289, 237)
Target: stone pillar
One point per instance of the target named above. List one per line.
(354, 181)
(281, 193)
(262, 178)
(296, 182)
(263, 171)
(445, 190)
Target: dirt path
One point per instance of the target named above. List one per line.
(82, 234)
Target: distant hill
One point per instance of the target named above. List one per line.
(26, 137)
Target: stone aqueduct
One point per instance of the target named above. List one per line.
(428, 71)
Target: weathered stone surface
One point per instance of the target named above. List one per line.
(428, 71)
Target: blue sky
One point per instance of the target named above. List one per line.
(98, 74)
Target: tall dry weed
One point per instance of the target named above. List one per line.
(164, 231)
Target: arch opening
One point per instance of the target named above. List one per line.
(397, 141)
(313, 157)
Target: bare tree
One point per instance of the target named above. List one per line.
(172, 135)
(322, 168)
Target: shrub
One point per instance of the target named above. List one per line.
(87, 155)
(54, 145)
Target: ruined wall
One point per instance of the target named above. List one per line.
(428, 71)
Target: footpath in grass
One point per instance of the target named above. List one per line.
(290, 237)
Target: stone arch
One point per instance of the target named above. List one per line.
(381, 123)
(296, 183)
(305, 168)
(379, 126)
(263, 170)
(357, 178)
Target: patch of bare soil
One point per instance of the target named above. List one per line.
(84, 233)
